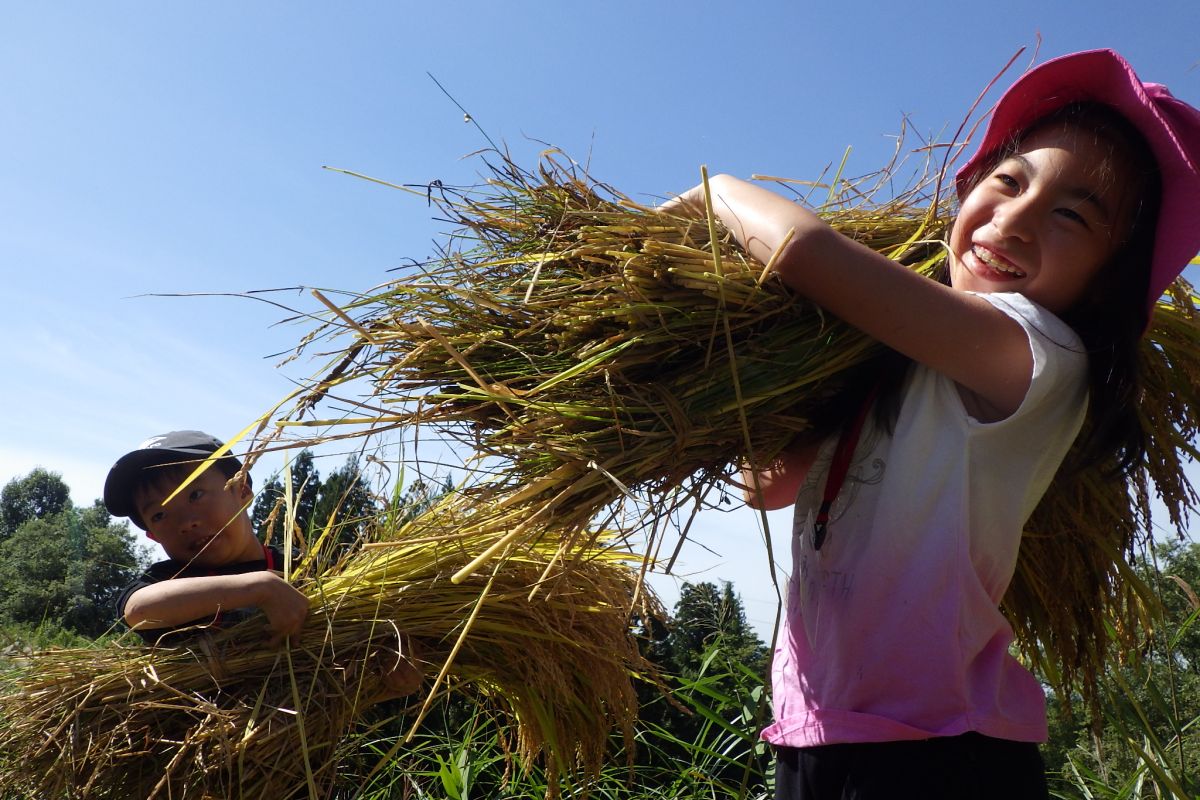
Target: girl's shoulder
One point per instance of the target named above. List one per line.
(1043, 327)
(1057, 382)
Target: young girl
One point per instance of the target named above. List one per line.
(893, 677)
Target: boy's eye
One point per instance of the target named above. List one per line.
(156, 517)
(196, 495)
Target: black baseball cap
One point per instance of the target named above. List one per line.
(176, 447)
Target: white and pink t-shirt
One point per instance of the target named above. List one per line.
(893, 630)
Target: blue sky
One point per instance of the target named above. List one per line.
(177, 148)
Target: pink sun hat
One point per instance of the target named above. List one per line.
(1170, 126)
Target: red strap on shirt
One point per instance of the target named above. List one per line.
(840, 465)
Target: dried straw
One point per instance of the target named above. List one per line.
(227, 716)
(603, 356)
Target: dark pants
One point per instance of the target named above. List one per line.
(967, 767)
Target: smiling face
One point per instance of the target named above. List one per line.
(205, 524)
(1044, 221)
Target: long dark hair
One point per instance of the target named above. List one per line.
(1111, 316)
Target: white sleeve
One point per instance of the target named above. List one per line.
(1028, 446)
(1058, 386)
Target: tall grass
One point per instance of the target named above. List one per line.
(460, 754)
(1146, 741)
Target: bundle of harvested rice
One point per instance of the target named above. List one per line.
(227, 716)
(602, 354)
(592, 346)
(1073, 578)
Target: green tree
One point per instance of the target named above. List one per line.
(708, 617)
(113, 559)
(1148, 734)
(67, 569)
(265, 502)
(38, 495)
(345, 499)
(417, 498)
(306, 488)
(714, 664)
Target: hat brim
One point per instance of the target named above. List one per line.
(129, 473)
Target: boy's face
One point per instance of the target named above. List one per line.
(206, 524)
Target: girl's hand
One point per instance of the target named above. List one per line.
(688, 204)
(780, 481)
(761, 220)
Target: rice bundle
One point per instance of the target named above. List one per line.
(592, 348)
(603, 355)
(1073, 577)
(227, 716)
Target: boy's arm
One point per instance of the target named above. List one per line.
(182, 600)
(955, 333)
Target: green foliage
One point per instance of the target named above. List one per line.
(342, 498)
(463, 757)
(38, 495)
(705, 743)
(715, 666)
(306, 487)
(417, 498)
(461, 753)
(67, 569)
(711, 620)
(345, 500)
(711, 746)
(17, 639)
(700, 742)
(709, 625)
(62, 566)
(1148, 744)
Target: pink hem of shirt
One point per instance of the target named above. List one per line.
(844, 727)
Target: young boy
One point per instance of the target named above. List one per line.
(217, 572)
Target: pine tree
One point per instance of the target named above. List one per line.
(306, 488)
(708, 618)
(715, 666)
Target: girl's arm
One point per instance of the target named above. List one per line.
(958, 334)
(181, 600)
(781, 480)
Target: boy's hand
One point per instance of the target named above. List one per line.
(285, 606)
(197, 600)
